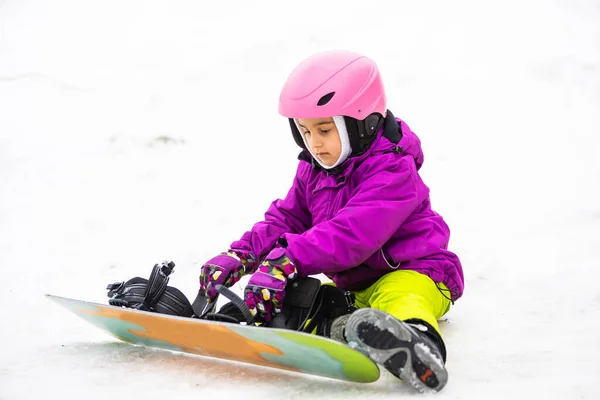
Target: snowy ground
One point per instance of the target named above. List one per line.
(137, 131)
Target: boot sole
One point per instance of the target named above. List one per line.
(395, 345)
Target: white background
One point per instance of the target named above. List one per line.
(137, 131)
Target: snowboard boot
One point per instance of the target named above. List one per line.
(336, 329)
(411, 350)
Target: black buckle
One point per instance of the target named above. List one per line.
(115, 287)
(349, 299)
(166, 268)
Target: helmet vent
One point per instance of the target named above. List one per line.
(325, 99)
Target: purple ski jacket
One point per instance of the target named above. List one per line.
(369, 219)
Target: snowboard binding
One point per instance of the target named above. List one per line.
(152, 294)
(309, 306)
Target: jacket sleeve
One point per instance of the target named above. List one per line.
(289, 215)
(386, 195)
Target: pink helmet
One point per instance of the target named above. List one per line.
(333, 83)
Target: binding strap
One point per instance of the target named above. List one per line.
(159, 278)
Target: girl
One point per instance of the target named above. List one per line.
(359, 213)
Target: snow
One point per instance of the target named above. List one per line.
(137, 131)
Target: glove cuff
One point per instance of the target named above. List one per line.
(278, 259)
(246, 258)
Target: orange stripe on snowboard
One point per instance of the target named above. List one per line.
(191, 338)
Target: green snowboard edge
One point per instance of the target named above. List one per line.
(355, 365)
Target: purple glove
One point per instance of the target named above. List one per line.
(224, 269)
(265, 291)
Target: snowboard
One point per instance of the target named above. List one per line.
(269, 347)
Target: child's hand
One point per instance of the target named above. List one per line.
(224, 269)
(265, 291)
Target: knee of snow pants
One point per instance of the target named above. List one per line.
(406, 295)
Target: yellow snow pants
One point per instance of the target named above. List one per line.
(406, 294)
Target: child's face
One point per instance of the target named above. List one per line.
(323, 139)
